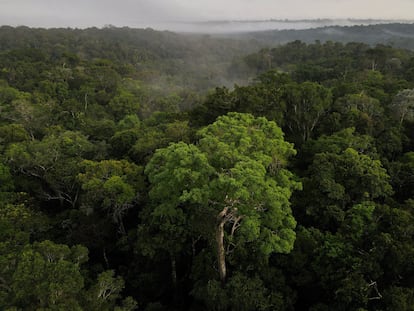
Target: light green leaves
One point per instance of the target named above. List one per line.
(236, 170)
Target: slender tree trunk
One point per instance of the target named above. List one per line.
(86, 102)
(221, 253)
(105, 258)
(173, 271)
(373, 65)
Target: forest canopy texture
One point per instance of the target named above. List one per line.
(145, 170)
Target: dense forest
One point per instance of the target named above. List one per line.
(394, 34)
(145, 170)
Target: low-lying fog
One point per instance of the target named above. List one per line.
(258, 25)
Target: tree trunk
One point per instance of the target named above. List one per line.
(173, 271)
(221, 253)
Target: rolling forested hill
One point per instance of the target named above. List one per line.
(171, 61)
(196, 62)
(398, 35)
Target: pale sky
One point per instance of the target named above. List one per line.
(85, 13)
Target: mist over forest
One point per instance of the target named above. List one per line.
(225, 165)
(243, 26)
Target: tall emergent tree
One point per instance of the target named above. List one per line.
(230, 190)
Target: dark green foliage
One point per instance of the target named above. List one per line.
(127, 182)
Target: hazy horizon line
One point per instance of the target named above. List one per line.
(330, 22)
(291, 20)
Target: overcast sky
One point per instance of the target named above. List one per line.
(85, 13)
